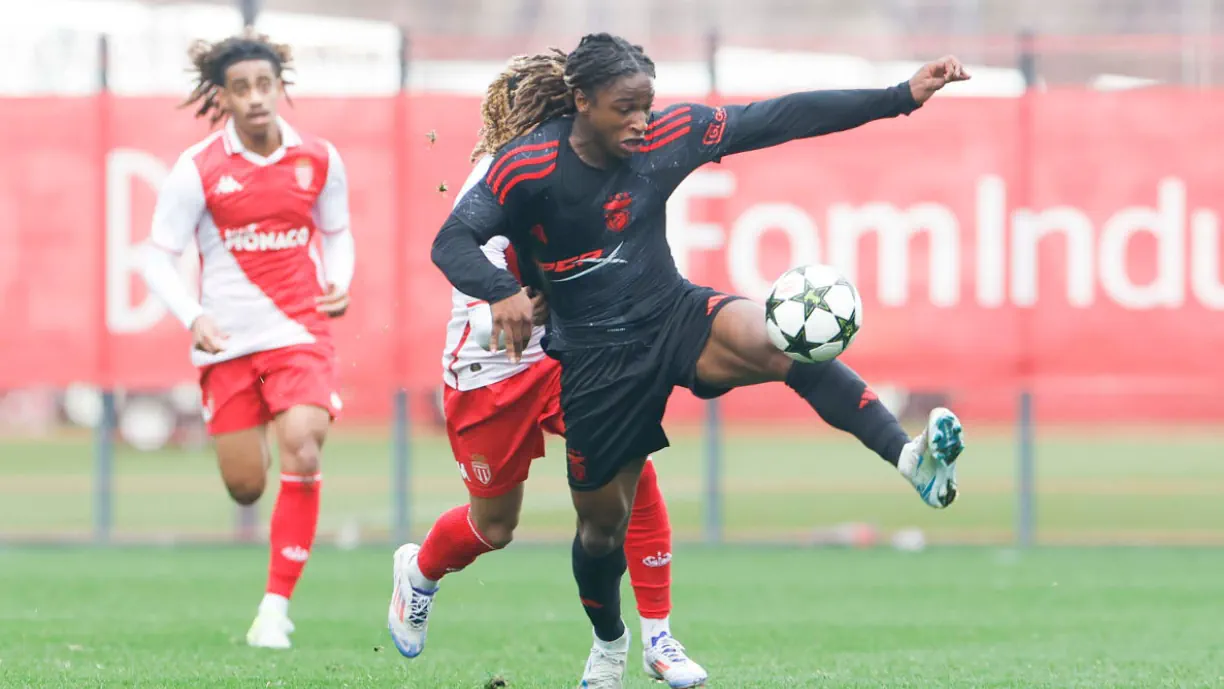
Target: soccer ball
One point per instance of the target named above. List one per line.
(813, 313)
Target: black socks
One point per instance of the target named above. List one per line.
(599, 580)
(845, 402)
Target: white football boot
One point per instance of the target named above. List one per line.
(605, 667)
(929, 460)
(665, 660)
(271, 629)
(408, 615)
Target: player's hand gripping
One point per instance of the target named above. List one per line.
(512, 317)
(334, 303)
(539, 307)
(934, 76)
(206, 336)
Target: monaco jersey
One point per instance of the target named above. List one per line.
(466, 365)
(255, 221)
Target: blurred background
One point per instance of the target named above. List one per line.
(1038, 248)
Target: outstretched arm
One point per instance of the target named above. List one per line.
(742, 128)
(812, 113)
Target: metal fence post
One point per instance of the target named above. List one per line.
(401, 450)
(712, 525)
(104, 431)
(250, 11)
(1026, 490)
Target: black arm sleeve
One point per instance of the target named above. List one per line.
(477, 218)
(803, 115)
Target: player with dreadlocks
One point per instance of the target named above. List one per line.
(262, 202)
(582, 200)
(497, 412)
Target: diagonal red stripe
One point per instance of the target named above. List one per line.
(655, 145)
(538, 174)
(527, 148)
(660, 131)
(496, 185)
(671, 115)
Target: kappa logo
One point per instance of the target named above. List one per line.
(616, 211)
(659, 559)
(295, 553)
(303, 170)
(481, 470)
(227, 185)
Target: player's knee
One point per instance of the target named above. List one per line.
(498, 535)
(774, 363)
(245, 491)
(300, 455)
(600, 540)
(497, 532)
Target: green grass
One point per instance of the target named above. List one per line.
(1159, 485)
(755, 616)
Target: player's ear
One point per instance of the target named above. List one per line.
(581, 103)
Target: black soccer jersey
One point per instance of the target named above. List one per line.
(595, 239)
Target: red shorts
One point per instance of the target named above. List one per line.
(498, 430)
(249, 391)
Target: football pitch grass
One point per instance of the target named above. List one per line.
(950, 617)
(1099, 486)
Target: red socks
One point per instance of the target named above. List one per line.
(452, 544)
(648, 548)
(294, 521)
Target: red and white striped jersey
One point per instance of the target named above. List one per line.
(255, 220)
(466, 365)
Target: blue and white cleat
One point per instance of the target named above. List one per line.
(665, 661)
(408, 615)
(929, 460)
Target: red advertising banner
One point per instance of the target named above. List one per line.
(1068, 240)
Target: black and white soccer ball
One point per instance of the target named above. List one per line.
(813, 313)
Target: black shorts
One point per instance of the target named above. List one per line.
(613, 398)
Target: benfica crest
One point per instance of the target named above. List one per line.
(480, 469)
(616, 211)
(304, 172)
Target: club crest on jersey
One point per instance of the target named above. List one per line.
(481, 470)
(714, 133)
(304, 172)
(616, 211)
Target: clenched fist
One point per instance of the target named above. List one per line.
(934, 76)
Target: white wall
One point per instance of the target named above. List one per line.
(52, 48)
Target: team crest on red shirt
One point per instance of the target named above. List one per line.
(616, 211)
(480, 468)
(304, 171)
